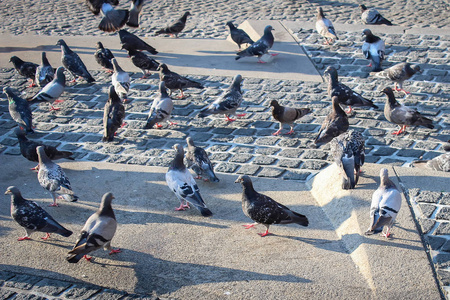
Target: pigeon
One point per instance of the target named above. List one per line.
(260, 47)
(175, 81)
(130, 41)
(95, 6)
(348, 151)
(25, 68)
(176, 27)
(51, 91)
(44, 72)
(334, 124)
(287, 115)
(19, 109)
(345, 94)
(135, 10)
(113, 19)
(198, 160)
(439, 163)
(97, 232)
(372, 16)
(373, 49)
(264, 210)
(228, 103)
(161, 108)
(113, 115)
(182, 183)
(120, 80)
(399, 73)
(402, 115)
(72, 62)
(386, 203)
(32, 217)
(28, 149)
(325, 28)
(52, 178)
(239, 36)
(143, 62)
(103, 56)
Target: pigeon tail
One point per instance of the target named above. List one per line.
(152, 120)
(204, 211)
(300, 219)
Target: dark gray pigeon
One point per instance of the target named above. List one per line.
(373, 48)
(97, 232)
(175, 81)
(25, 68)
(51, 92)
(120, 80)
(197, 159)
(52, 178)
(175, 28)
(103, 57)
(386, 203)
(143, 62)
(161, 109)
(73, 63)
(372, 16)
(334, 124)
(130, 41)
(135, 10)
(20, 111)
(32, 217)
(399, 73)
(324, 27)
(287, 115)
(113, 19)
(264, 210)
(348, 150)
(402, 115)
(113, 116)
(44, 72)
(228, 103)
(239, 36)
(182, 183)
(345, 94)
(260, 47)
(95, 6)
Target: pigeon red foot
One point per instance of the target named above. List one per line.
(114, 251)
(23, 238)
(265, 233)
(46, 237)
(182, 207)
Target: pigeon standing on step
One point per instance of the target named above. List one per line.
(197, 159)
(372, 16)
(287, 115)
(348, 150)
(260, 47)
(113, 19)
(97, 232)
(175, 28)
(52, 178)
(334, 124)
(386, 203)
(182, 183)
(73, 63)
(130, 41)
(264, 210)
(113, 115)
(175, 81)
(135, 10)
(239, 36)
(44, 72)
(103, 57)
(51, 92)
(439, 163)
(403, 115)
(161, 109)
(399, 73)
(120, 80)
(19, 109)
(325, 28)
(143, 62)
(373, 49)
(32, 217)
(25, 68)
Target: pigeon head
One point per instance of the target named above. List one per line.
(190, 142)
(162, 67)
(43, 158)
(15, 60)
(332, 72)
(244, 180)
(12, 190)
(274, 103)
(186, 14)
(105, 208)
(231, 25)
(7, 91)
(236, 84)
(19, 133)
(60, 73)
(162, 89)
(320, 13)
(116, 66)
(61, 42)
(112, 94)
(44, 59)
(367, 32)
(387, 90)
(363, 7)
(416, 68)
(268, 29)
(178, 149)
(99, 45)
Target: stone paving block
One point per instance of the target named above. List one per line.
(428, 197)
(6, 294)
(426, 225)
(250, 170)
(271, 172)
(443, 229)
(435, 242)
(427, 209)
(446, 246)
(81, 292)
(21, 282)
(51, 287)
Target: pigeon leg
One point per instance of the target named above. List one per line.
(229, 119)
(24, 238)
(113, 251)
(240, 115)
(32, 84)
(291, 131)
(402, 129)
(247, 226)
(172, 123)
(46, 237)
(53, 108)
(88, 258)
(265, 233)
(158, 125)
(35, 168)
(54, 204)
(198, 177)
(277, 132)
(402, 90)
(274, 54)
(349, 110)
(205, 179)
(387, 234)
(123, 124)
(370, 65)
(260, 61)
(182, 206)
(74, 80)
(182, 96)
(58, 101)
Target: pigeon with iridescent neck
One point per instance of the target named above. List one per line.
(19, 110)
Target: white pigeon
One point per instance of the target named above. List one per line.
(161, 108)
(120, 80)
(324, 27)
(51, 92)
(373, 48)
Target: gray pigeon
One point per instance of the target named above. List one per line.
(73, 63)
(287, 115)
(175, 28)
(372, 16)
(135, 10)
(120, 80)
(130, 41)
(260, 47)
(324, 27)
(175, 81)
(386, 203)
(399, 73)
(182, 183)
(44, 72)
(51, 92)
(143, 62)
(403, 115)
(20, 111)
(439, 163)
(113, 115)
(97, 232)
(52, 178)
(239, 36)
(113, 19)
(334, 124)
(373, 48)
(32, 217)
(348, 150)
(198, 160)
(228, 103)
(161, 108)
(103, 57)
(264, 210)
(25, 68)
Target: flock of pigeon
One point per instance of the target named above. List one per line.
(347, 147)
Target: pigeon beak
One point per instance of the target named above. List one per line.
(237, 180)
(7, 192)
